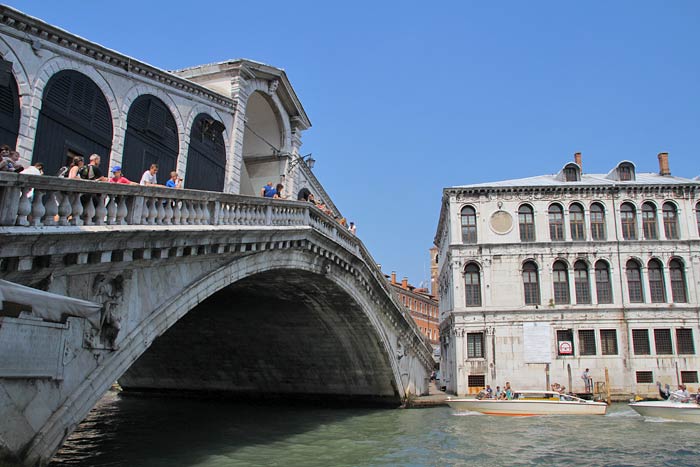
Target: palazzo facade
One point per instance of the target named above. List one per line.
(542, 277)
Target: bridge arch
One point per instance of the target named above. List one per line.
(377, 360)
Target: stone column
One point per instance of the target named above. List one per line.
(240, 92)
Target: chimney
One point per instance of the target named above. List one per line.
(393, 277)
(577, 159)
(663, 164)
(404, 283)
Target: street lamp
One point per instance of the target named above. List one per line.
(307, 159)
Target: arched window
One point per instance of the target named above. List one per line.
(602, 282)
(651, 232)
(670, 221)
(9, 107)
(526, 220)
(656, 281)
(597, 221)
(577, 222)
(560, 275)
(556, 222)
(468, 224)
(75, 120)
(472, 285)
(581, 282)
(628, 219)
(634, 281)
(678, 287)
(206, 156)
(531, 284)
(151, 138)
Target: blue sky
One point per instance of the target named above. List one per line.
(407, 98)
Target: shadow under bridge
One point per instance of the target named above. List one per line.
(277, 334)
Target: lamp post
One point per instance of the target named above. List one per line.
(307, 159)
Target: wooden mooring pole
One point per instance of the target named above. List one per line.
(607, 385)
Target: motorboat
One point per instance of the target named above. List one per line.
(674, 408)
(528, 403)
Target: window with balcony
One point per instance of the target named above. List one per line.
(468, 216)
(628, 220)
(684, 341)
(634, 282)
(526, 220)
(582, 283)
(657, 290)
(670, 214)
(475, 345)
(640, 342)
(586, 342)
(602, 282)
(556, 223)
(560, 275)
(662, 341)
(472, 285)
(649, 227)
(531, 283)
(608, 341)
(597, 222)
(678, 285)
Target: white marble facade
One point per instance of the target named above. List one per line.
(641, 331)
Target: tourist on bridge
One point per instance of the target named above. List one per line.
(268, 191)
(117, 177)
(149, 176)
(175, 180)
(75, 166)
(278, 191)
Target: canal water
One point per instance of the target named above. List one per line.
(143, 431)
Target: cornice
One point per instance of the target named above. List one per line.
(22, 23)
(578, 188)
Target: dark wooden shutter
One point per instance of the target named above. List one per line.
(9, 110)
(74, 119)
(206, 158)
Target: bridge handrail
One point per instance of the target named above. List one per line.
(45, 201)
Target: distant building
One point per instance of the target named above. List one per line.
(421, 304)
(543, 277)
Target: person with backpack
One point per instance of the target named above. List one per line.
(75, 166)
(92, 170)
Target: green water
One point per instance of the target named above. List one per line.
(129, 431)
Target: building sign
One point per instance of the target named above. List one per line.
(566, 348)
(537, 341)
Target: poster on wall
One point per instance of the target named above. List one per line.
(536, 343)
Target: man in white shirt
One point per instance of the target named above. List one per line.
(149, 176)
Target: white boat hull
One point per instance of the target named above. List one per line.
(680, 411)
(525, 408)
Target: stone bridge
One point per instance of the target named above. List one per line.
(199, 291)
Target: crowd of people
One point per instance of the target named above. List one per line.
(681, 394)
(507, 393)
(276, 192)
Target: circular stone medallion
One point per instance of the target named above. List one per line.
(501, 222)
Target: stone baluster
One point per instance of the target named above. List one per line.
(51, 208)
(207, 217)
(112, 210)
(161, 211)
(77, 209)
(236, 215)
(89, 210)
(24, 207)
(185, 214)
(122, 211)
(100, 209)
(64, 208)
(222, 213)
(198, 215)
(168, 212)
(152, 211)
(145, 210)
(177, 212)
(38, 209)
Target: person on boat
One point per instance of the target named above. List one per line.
(664, 392)
(682, 393)
(497, 394)
(489, 392)
(509, 391)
